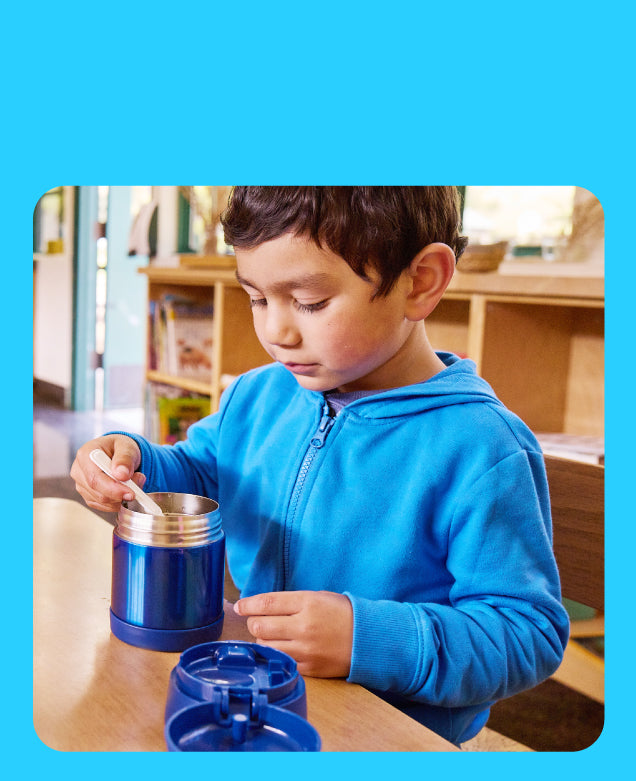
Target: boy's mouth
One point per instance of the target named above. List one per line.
(300, 368)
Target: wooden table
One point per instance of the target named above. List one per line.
(92, 692)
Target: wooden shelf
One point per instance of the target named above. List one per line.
(200, 277)
(538, 340)
(589, 291)
(236, 347)
(195, 386)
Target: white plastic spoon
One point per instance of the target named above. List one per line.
(104, 463)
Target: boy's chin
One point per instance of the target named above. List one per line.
(318, 384)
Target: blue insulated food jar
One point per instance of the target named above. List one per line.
(168, 573)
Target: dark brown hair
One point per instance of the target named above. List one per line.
(378, 227)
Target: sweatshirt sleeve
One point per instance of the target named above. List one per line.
(504, 629)
(189, 466)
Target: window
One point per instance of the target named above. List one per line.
(537, 221)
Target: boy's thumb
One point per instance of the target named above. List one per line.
(122, 473)
(125, 459)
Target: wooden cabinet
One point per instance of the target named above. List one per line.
(538, 340)
(235, 346)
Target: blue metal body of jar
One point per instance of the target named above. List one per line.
(168, 574)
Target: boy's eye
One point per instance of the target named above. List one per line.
(314, 307)
(311, 307)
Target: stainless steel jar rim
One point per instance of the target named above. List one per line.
(174, 529)
(174, 502)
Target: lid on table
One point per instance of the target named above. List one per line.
(209, 667)
(246, 726)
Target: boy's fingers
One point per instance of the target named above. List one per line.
(105, 489)
(275, 603)
(97, 489)
(139, 478)
(271, 627)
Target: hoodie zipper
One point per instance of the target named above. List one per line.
(315, 443)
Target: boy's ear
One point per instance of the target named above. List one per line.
(430, 273)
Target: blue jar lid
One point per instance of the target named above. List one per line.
(246, 725)
(206, 668)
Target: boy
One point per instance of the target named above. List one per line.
(387, 518)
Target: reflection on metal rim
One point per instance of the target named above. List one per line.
(188, 521)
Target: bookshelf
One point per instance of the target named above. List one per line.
(538, 339)
(235, 347)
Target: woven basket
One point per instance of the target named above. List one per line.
(482, 257)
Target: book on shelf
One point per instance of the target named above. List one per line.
(181, 337)
(177, 415)
(170, 412)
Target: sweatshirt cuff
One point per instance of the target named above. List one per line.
(388, 646)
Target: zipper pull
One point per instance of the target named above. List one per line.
(318, 440)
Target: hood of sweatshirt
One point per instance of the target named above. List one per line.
(458, 383)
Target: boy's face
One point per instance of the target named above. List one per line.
(314, 314)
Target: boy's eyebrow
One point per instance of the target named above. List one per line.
(304, 281)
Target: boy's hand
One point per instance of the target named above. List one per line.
(98, 490)
(314, 627)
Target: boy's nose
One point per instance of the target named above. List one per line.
(280, 330)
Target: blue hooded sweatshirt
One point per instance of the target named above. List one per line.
(426, 505)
